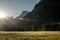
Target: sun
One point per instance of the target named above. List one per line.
(2, 15)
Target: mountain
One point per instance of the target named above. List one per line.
(46, 11)
(24, 13)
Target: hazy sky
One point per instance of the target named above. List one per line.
(15, 7)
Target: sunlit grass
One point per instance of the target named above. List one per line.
(30, 35)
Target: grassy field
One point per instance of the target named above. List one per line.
(42, 35)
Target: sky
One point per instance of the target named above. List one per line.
(15, 7)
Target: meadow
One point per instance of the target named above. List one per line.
(30, 35)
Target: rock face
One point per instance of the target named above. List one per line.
(46, 11)
(23, 13)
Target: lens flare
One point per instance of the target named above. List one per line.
(2, 15)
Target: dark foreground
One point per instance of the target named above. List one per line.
(42, 35)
